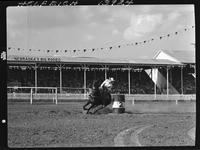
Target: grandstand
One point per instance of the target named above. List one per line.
(168, 73)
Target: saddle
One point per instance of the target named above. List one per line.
(100, 96)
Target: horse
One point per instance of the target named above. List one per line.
(104, 99)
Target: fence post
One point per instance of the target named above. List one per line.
(133, 101)
(56, 96)
(31, 100)
(53, 95)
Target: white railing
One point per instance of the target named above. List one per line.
(72, 90)
(33, 93)
(67, 93)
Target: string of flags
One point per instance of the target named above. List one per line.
(16, 67)
(108, 48)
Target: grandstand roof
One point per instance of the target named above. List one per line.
(117, 61)
(120, 61)
(177, 55)
(91, 60)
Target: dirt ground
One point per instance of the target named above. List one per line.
(65, 125)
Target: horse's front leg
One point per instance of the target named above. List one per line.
(84, 107)
(92, 105)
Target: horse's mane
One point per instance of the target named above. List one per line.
(96, 84)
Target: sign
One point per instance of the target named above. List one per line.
(31, 58)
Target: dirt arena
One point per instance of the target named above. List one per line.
(65, 125)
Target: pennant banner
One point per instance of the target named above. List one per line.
(109, 48)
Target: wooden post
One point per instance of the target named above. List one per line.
(60, 78)
(84, 82)
(31, 100)
(56, 96)
(171, 79)
(167, 81)
(129, 81)
(195, 77)
(35, 78)
(105, 72)
(181, 80)
(153, 76)
(133, 101)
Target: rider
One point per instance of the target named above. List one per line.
(107, 84)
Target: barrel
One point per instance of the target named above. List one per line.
(118, 104)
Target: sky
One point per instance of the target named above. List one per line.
(88, 27)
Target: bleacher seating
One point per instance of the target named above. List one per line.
(140, 82)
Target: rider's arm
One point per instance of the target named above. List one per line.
(103, 83)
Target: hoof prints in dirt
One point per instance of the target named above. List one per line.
(53, 112)
(66, 125)
(104, 111)
(101, 111)
(43, 114)
(168, 134)
(34, 137)
(61, 113)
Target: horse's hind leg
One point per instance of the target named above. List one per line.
(98, 109)
(92, 106)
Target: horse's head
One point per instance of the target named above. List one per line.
(96, 84)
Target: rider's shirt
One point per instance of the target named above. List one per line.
(107, 83)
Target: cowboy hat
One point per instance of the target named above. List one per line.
(112, 79)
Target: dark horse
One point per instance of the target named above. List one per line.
(103, 99)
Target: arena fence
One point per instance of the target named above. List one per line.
(33, 93)
(79, 94)
(160, 97)
(66, 90)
